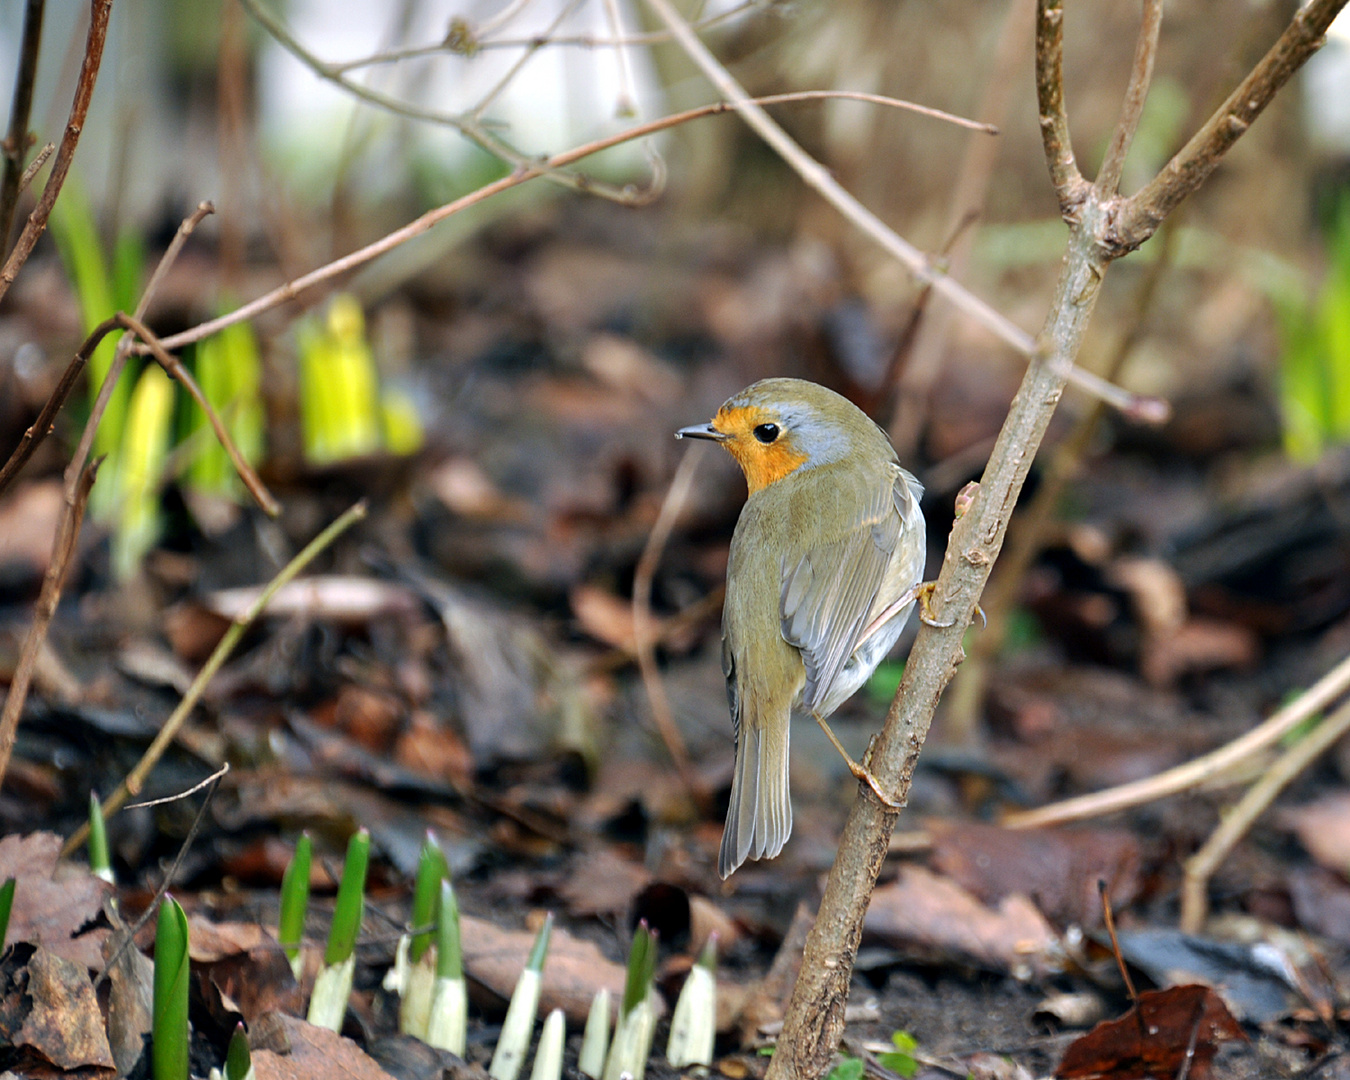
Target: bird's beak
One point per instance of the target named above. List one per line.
(701, 431)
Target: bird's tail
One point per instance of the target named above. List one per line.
(759, 816)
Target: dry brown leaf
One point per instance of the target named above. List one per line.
(574, 971)
(315, 1054)
(49, 912)
(64, 1025)
(1057, 869)
(1323, 828)
(933, 917)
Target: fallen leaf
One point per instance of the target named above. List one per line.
(1164, 1032)
(574, 971)
(1057, 869)
(1323, 828)
(64, 1025)
(933, 917)
(315, 1054)
(48, 912)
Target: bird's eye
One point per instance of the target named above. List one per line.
(766, 433)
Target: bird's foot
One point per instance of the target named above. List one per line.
(861, 772)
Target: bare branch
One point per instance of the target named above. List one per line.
(468, 125)
(819, 178)
(99, 11)
(53, 581)
(35, 166)
(291, 289)
(1132, 107)
(1064, 175)
(1140, 215)
(16, 143)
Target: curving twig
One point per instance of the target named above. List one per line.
(99, 10)
(291, 289)
(19, 138)
(1055, 139)
(1201, 866)
(1140, 215)
(1132, 106)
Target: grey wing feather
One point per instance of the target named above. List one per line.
(828, 594)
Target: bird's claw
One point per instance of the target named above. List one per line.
(865, 775)
(924, 595)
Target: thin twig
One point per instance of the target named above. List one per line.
(819, 178)
(1201, 866)
(177, 797)
(585, 41)
(99, 11)
(35, 166)
(1132, 105)
(63, 550)
(213, 781)
(1193, 773)
(1055, 139)
(919, 265)
(467, 125)
(238, 625)
(42, 426)
(564, 12)
(671, 506)
(18, 138)
(174, 368)
(1144, 211)
(291, 289)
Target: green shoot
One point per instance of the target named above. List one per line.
(238, 1059)
(229, 371)
(642, 955)
(294, 900)
(169, 1015)
(6, 906)
(447, 1026)
(339, 393)
(100, 861)
(415, 965)
(509, 1057)
(328, 1002)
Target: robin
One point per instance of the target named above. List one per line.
(826, 562)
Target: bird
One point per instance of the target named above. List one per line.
(826, 563)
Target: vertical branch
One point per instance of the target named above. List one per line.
(1132, 107)
(99, 10)
(1064, 175)
(16, 141)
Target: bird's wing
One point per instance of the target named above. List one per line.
(828, 594)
